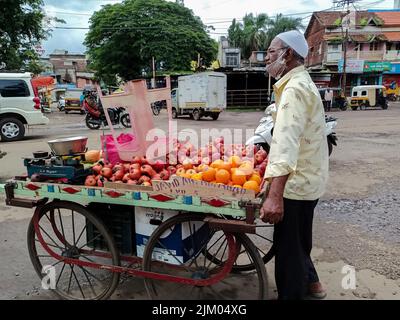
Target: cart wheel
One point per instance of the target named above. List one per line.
(68, 237)
(262, 240)
(213, 281)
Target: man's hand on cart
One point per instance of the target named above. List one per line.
(272, 207)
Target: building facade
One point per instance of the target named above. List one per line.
(69, 68)
(372, 47)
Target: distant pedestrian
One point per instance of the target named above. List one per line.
(328, 99)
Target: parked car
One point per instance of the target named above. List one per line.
(368, 96)
(19, 106)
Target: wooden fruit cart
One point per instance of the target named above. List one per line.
(76, 232)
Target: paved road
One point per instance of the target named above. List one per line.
(357, 221)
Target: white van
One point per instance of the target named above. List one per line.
(19, 106)
(200, 95)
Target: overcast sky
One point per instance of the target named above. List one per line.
(218, 13)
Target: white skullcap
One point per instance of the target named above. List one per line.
(295, 39)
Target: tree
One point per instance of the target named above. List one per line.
(124, 37)
(249, 35)
(257, 32)
(282, 24)
(21, 29)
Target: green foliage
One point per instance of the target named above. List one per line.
(21, 28)
(363, 22)
(337, 22)
(257, 32)
(124, 37)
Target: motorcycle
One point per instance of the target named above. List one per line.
(264, 131)
(95, 116)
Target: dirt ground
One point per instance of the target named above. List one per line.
(357, 222)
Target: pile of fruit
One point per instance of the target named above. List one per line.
(234, 165)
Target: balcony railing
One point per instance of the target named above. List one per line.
(392, 55)
(366, 55)
(333, 56)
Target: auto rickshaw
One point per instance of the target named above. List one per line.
(368, 96)
(72, 101)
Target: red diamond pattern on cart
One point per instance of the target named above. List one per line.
(216, 203)
(32, 186)
(114, 194)
(161, 198)
(71, 190)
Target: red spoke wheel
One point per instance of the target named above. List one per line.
(200, 278)
(69, 248)
(262, 240)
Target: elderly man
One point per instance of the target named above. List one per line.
(298, 167)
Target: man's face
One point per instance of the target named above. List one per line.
(274, 51)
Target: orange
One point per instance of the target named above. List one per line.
(237, 186)
(255, 177)
(197, 176)
(252, 185)
(186, 175)
(209, 174)
(246, 168)
(217, 164)
(235, 161)
(226, 166)
(222, 176)
(238, 177)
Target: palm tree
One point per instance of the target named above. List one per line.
(257, 32)
(281, 24)
(249, 35)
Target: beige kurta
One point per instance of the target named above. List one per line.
(299, 146)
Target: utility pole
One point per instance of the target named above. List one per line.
(154, 73)
(345, 36)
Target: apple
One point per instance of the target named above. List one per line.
(135, 174)
(156, 177)
(97, 168)
(90, 181)
(143, 160)
(137, 159)
(262, 153)
(126, 167)
(126, 177)
(119, 175)
(106, 172)
(132, 182)
(100, 182)
(118, 167)
(258, 158)
(134, 166)
(164, 174)
(146, 184)
(158, 165)
(171, 170)
(143, 179)
(108, 165)
(148, 170)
